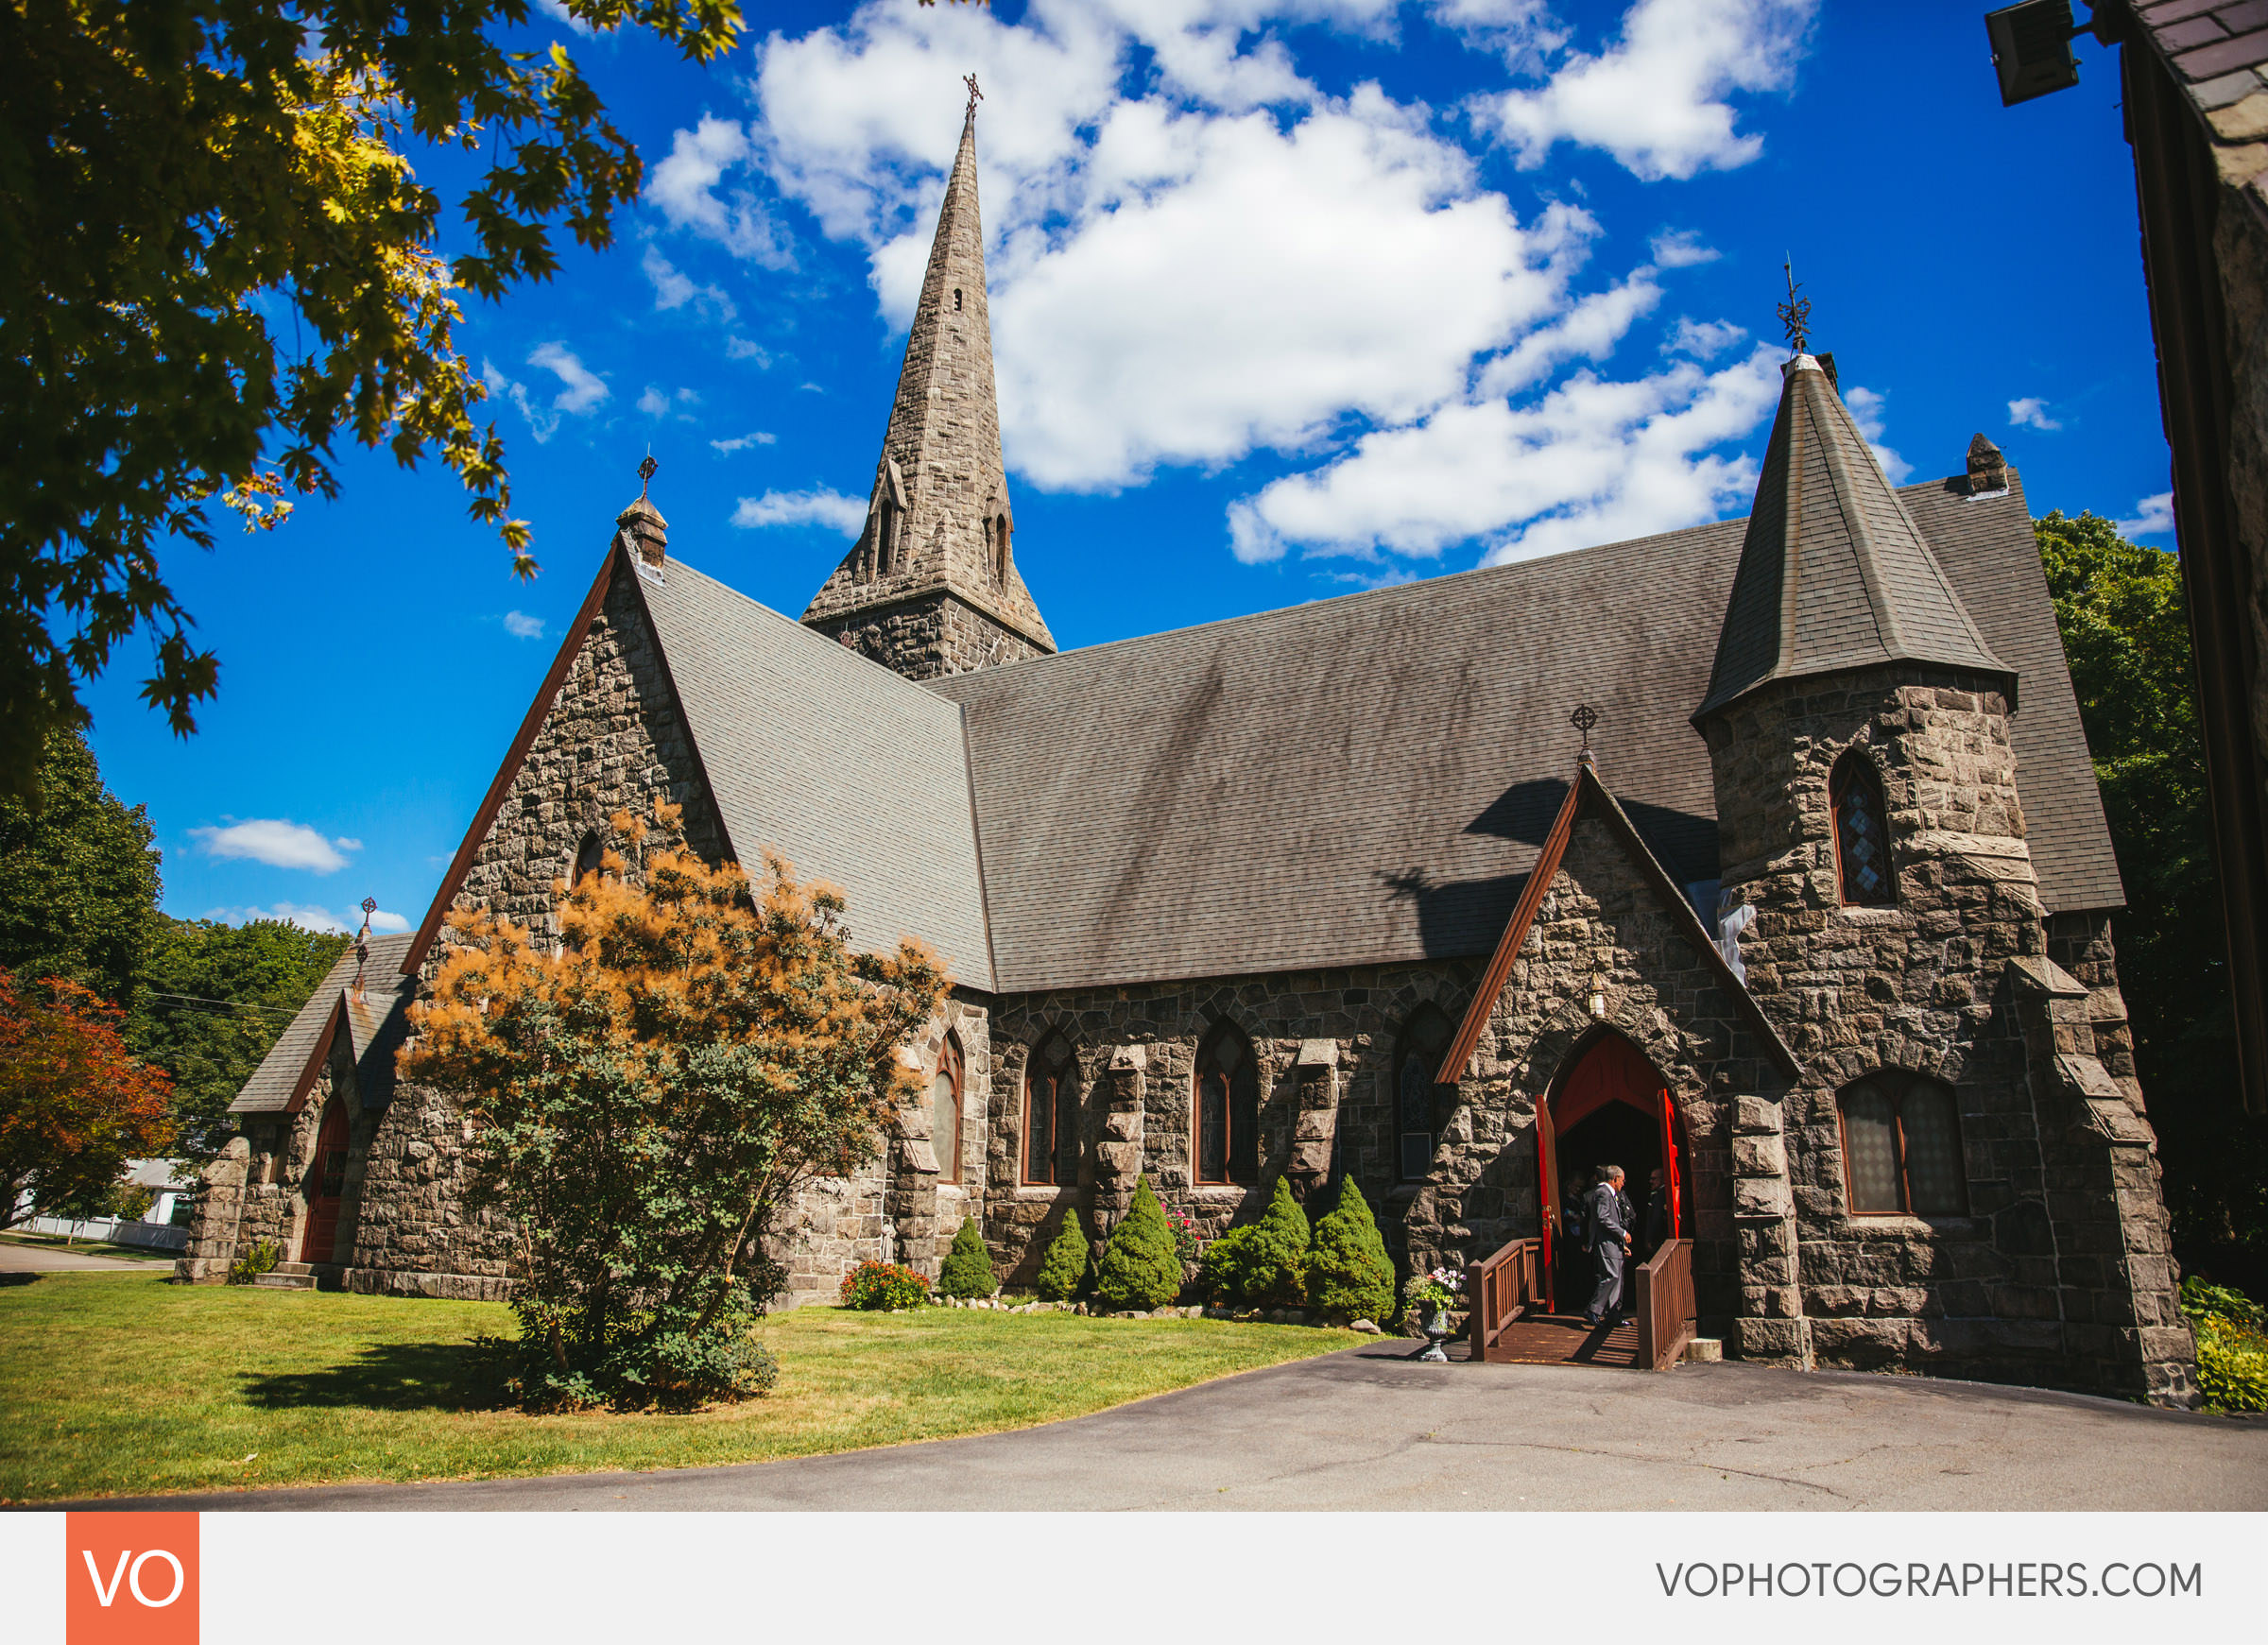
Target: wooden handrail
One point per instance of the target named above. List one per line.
(1502, 1289)
(1664, 1305)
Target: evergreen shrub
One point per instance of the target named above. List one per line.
(1064, 1270)
(967, 1269)
(1140, 1268)
(261, 1259)
(1348, 1269)
(1265, 1263)
(884, 1285)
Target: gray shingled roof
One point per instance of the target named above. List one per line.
(859, 777)
(1834, 574)
(374, 1027)
(1365, 779)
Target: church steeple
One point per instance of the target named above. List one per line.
(931, 586)
(1834, 574)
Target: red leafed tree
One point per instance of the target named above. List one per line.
(74, 1106)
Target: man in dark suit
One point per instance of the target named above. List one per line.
(1606, 1231)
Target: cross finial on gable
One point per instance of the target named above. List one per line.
(646, 473)
(1583, 719)
(1795, 313)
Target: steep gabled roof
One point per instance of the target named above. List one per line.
(859, 777)
(1367, 780)
(287, 1073)
(1834, 574)
(1587, 796)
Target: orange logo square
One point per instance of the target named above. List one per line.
(130, 1579)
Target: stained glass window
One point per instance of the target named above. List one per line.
(945, 1111)
(1418, 1104)
(1051, 1114)
(1862, 834)
(1228, 1109)
(1901, 1147)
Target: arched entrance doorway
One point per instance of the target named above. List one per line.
(326, 1186)
(1609, 1105)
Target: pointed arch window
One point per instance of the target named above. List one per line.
(1901, 1147)
(945, 1110)
(1863, 864)
(996, 547)
(1420, 1105)
(1228, 1079)
(1051, 1114)
(588, 857)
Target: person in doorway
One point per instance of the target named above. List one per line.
(1606, 1236)
(1657, 1211)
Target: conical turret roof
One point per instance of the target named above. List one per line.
(938, 516)
(1834, 574)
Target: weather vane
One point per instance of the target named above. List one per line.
(976, 96)
(1583, 719)
(1795, 313)
(646, 474)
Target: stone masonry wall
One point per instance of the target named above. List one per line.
(1137, 1048)
(930, 636)
(1924, 986)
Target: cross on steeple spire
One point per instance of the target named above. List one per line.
(1795, 313)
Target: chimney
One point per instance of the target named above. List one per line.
(642, 523)
(1987, 468)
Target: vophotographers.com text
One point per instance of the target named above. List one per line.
(1915, 1579)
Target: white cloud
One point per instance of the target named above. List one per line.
(1703, 339)
(2153, 517)
(582, 391)
(566, 19)
(1866, 411)
(2031, 413)
(1196, 254)
(1590, 462)
(1681, 249)
(742, 442)
(1656, 98)
(741, 349)
(684, 186)
(520, 625)
(653, 401)
(818, 506)
(673, 290)
(278, 842)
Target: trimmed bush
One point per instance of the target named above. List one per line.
(967, 1269)
(1064, 1270)
(1264, 1264)
(261, 1259)
(880, 1285)
(1140, 1267)
(1348, 1269)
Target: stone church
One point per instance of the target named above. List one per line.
(1810, 916)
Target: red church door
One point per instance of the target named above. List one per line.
(1613, 1106)
(326, 1186)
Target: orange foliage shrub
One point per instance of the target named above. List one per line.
(74, 1106)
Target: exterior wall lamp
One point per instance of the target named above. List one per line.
(1598, 995)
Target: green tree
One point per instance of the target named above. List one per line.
(216, 997)
(1064, 1270)
(78, 882)
(647, 1090)
(1348, 1269)
(1263, 1264)
(2125, 631)
(967, 1267)
(1140, 1268)
(74, 1105)
(217, 261)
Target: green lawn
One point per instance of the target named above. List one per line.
(121, 1383)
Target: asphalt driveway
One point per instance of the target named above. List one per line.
(19, 1257)
(1370, 1428)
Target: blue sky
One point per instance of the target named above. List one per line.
(1290, 297)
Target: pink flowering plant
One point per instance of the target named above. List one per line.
(1442, 1289)
(1184, 1227)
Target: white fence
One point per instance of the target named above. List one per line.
(154, 1236)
